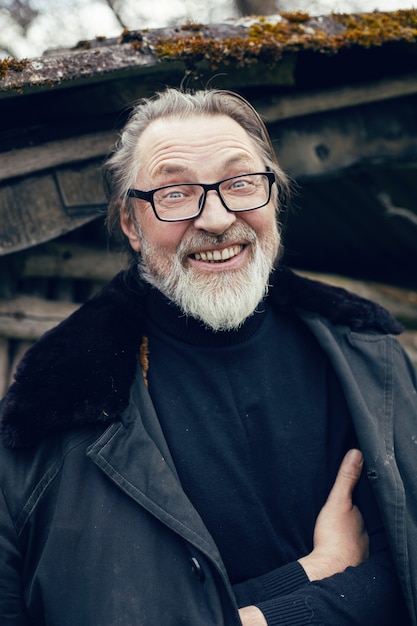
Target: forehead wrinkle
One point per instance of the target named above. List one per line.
(178, 168)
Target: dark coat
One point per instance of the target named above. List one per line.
(95, 528)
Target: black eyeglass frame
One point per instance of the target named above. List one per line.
(148, 195)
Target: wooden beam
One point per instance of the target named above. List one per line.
(29, 317)
(72, 261)
(32, 211)
(4, 366)
(400, 302)
(55, 153)
(297, 105)
(375, 134)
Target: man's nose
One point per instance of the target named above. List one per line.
(214, 218)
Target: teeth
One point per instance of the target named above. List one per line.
(218, 255)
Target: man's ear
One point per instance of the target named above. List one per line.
(128, 227)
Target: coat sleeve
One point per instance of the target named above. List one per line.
(363, 595)
(280, 582)
(12, 609)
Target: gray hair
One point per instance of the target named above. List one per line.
(121, 168)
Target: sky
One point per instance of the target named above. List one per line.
(63, 23)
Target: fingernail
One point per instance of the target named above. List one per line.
(355, 456)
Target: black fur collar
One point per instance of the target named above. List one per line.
(81, 371)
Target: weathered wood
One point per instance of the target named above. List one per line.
(29, 317)
(32, 210)
(337, 140)
(295, 105)
(408, 339)
(72, 261)
(400, 302)
(81, 186)
(55, 153)
(4, 366)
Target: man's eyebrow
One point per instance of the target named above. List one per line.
(239, 159)
(171, 168)
(177, 168)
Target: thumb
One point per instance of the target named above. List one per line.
(347, 477)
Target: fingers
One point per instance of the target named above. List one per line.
(340, 539)
(347, 476)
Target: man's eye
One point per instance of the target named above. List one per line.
(241, 186)
(239, 183)
(174, 195)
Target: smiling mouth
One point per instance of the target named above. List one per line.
(218, 256)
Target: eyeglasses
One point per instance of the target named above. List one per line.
(185, 201)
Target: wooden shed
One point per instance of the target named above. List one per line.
(339, 96)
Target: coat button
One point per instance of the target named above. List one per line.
(197, 569)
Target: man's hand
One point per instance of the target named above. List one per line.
(340, 538)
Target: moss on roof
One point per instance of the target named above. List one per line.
(238, 43)
(266, 41)
(375, 29)
(12, 64)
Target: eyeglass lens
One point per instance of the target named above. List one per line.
(241, 193)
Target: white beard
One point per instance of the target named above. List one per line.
(221, 300)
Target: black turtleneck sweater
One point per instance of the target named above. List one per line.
(257, 425)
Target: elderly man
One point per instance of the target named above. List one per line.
(169, 449)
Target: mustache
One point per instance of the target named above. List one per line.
(235, 232)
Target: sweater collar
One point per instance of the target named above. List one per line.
(81, 372)
(164, 315)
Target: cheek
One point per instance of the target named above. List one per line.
(262, 220)
(163, 235)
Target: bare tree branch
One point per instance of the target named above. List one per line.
(257, 7)
(21, 12)
(112, 4)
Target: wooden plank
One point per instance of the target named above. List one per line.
(320, 101)
(400, 302)
(4, 366)
(55, 153)
(32, 211)
(409, 342)
(378, 134)
(29, 317)
(72, 261)
(81, 186)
